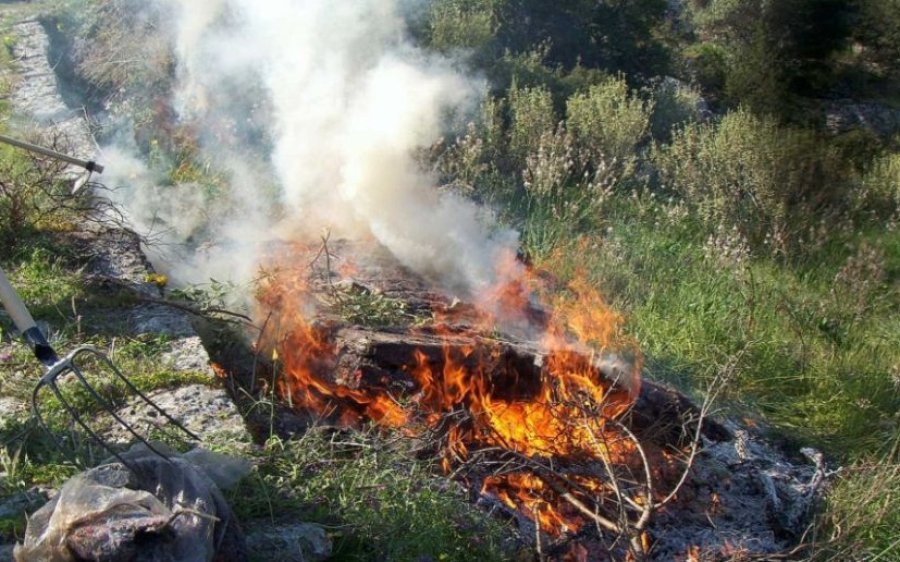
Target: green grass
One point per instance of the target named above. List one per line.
(378, 500)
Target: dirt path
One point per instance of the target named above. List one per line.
(36, 95)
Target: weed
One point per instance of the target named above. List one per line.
(371, 308)
(862, 521)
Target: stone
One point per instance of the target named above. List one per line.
(206, 411)
(303, 542)
(188, 355)
(22, 502)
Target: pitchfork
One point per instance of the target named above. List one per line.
(72, 364)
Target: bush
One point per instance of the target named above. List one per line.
(707, 65)
(755, 77)
(879, 31)
(772, 51)
(33, 192)
(466, 24)
(610, 124)
(772, 183)
(676, 104)
(531, 116)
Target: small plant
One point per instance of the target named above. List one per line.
(213, 295)
(880, 191)
(370, 308)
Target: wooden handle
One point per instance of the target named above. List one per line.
(32, 335)
(88, 165)
(14, 305)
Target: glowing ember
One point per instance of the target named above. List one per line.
(564, 412)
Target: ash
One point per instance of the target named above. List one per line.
(743, 497)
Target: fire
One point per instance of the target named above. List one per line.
(528, 493)
(564, 415)
(308, 356)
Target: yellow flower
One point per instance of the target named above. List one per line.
(157, 279)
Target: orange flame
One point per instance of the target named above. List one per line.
(566, 413)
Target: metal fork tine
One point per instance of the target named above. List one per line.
(144, 397)
(77, 418)
(56, 367)
(38, 416)
(110, 408)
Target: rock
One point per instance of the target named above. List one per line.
(208, 412)
(303, 542)
(115, 254)
(842, 116)
(23, 502)
(159, 319)
(188, 355)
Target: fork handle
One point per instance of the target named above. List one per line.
(14, 305)
(25, 323)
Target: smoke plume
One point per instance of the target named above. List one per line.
(318, 108)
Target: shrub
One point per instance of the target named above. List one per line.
(466, 24)
(755, 79)
(610, 123)
(879, 31)
(707, 65)
(531, 116)
(773, 183)
(676, 104)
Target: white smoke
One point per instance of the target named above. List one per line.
(348, 102)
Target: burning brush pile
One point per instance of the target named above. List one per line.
(538, 409)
